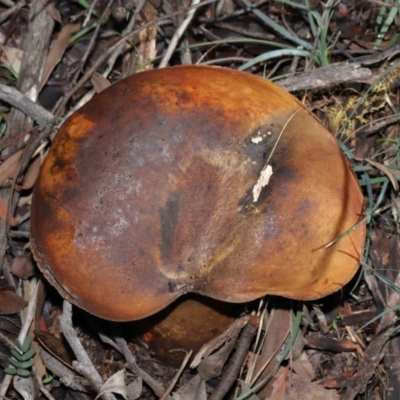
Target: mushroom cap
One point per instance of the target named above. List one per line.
(159, 187)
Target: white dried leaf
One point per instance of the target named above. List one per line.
(24, 386)
(134, 389)
(115, 384)
(262, 181)
(11, 57)
(195, 389)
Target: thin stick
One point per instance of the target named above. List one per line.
(15, 98)
(89, 13)
(92, 41)
(15, 7)
(157, 388)
(177, 375)
(178, 34)
(41, 385)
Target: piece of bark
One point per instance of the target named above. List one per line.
(330, 344)
(359, 318)
(338, 73)
(378, 125)
(327, 76)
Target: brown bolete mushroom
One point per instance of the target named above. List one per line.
(194, 179)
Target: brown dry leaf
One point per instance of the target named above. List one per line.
(39, 365)
(336, 382)
(3, 214)
(52, 10)
(147, 37)
(305, 390)
(391, 173)
(10, 166)
(303, 367)
(58, 49)
(31, 174)
(6, 141)
(99, 82)
(55, 347)
(11, 57)
(11, 303)
(22, 267)
(279, 326)
(279, 385)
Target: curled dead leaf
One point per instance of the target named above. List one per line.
(11, 303)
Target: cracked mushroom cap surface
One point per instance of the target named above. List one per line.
(194, 179)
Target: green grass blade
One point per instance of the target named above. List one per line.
(274, 54)
(276, 27)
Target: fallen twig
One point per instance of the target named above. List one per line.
(157, 388)
(327, 76)
(83, 365)
(177, 376)
(178, 34)
(232, 369)
(21, 102)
